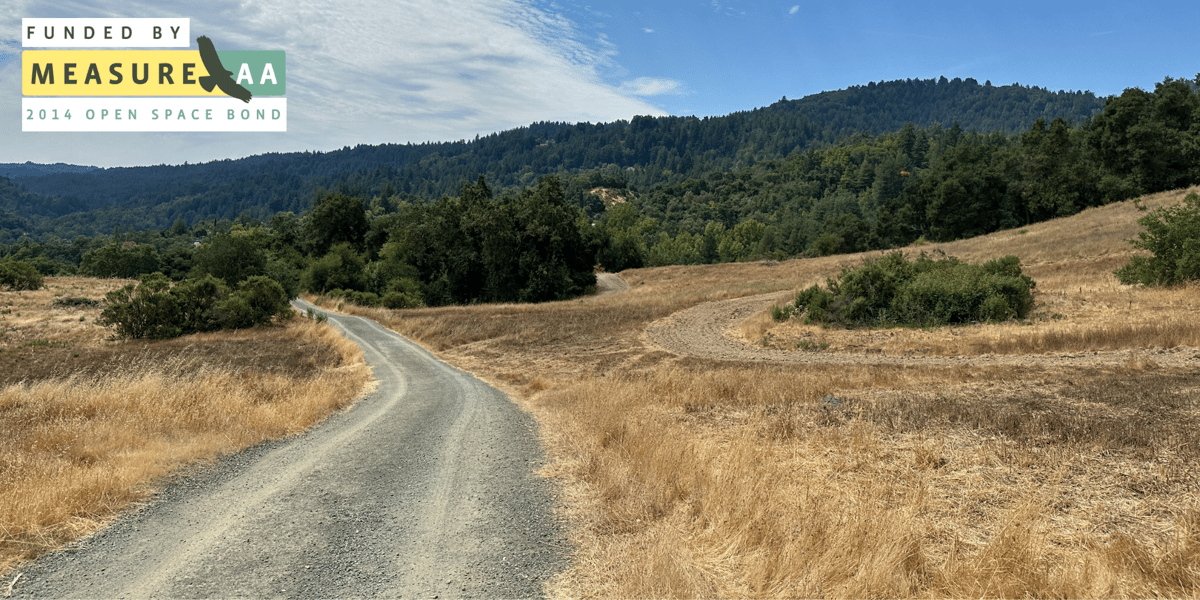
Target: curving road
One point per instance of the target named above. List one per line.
(424, 489)
(708, 331)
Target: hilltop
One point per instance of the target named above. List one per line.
(638, 153)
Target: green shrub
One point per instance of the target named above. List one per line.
(143, 310)
(257, 300)
(396, 300)
(1172, 235)
(74, 302)
(341, 268)
(783, 313)
(197, 300)
(891, 290)
(19, 275)
(357, 297)
(152, 309)
(962, 293)
(126, 260)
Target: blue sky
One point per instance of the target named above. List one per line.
(369, 72)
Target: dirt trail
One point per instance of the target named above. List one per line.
(610, 283)
(709, 331)
(424, 488)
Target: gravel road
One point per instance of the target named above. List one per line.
(424, 489)
(708, 331)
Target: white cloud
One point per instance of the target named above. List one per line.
(363, 72)
(795, 9)
(652, 86)
(647, 30)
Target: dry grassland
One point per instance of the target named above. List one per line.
(88, 426)
(690, 477)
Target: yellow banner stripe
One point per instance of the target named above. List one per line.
(114, 73)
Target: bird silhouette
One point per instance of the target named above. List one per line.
(217, 75)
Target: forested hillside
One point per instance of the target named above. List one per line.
(654, 191)
(31, 169)
(883, 107)
(647, 150)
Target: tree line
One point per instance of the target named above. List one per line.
(541, 241)
(473, 247)
(875, 192)
(649, 151)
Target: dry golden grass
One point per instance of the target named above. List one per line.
(737, 481)
(89, 426)
(1080, 304)
(688, 477)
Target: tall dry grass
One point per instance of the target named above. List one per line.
(686, 477)
(76, 450)
(717, 481)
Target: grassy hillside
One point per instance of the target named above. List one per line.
(1050, 457)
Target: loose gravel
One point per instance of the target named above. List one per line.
(424, 489)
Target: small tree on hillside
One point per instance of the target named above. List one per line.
(1172, 235)
(258, 299)
(19, 275)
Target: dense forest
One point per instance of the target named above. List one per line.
(524, 215)
(666, 150)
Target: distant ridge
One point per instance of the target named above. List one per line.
(880, 107)
(31, 169)
(640, 153)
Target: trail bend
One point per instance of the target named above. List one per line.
(709, 331)
(425, 488)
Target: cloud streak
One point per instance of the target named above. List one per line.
(361, 71)
(651, 86)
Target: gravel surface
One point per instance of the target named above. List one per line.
(610, 283)
(423, 489)
(708, 331)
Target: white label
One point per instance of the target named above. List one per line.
(106, 33)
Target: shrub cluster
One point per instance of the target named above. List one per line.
(1172, 235)
(390, 299)
(74, 302)
(892, 290)
(19, 275)
(155, 309)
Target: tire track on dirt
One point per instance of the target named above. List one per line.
(708, 331)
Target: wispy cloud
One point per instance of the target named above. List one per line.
(725, 8)
(9, 49)
(795, 9)
(652, 86)
(647, 30)
(360, 71)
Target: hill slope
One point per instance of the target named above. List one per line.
(657, 149)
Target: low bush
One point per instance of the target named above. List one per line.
(19, 275)
(153, 309)
(1172, 235)
(74, 302)
(257, 300)
(360, 298)
(892, 290)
